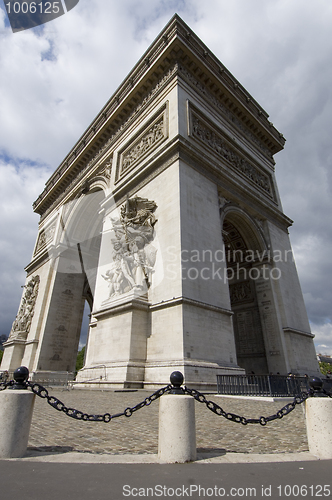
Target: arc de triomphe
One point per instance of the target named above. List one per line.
(165, 217)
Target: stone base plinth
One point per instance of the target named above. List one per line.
(115, 375)
(129, 375)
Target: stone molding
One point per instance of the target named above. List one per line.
(113, 308)
(14, 341)
(126, 303)
(186, 301)
(288, 329)
(190, 362)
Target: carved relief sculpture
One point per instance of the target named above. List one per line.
(45, 236)
(200, 130)
(147, 141)
(240, 292)
(134, 256)
(22, 323)
(106, 170)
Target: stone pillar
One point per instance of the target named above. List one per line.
(16, 407)
(177, 430)
(276, 352)
(318, 413)
(177, 433)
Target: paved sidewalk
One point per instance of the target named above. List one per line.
(54, 432)
(68, 458)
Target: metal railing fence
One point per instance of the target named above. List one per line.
(262, 385)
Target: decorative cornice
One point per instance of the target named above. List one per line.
(226, 112)
(118, 308)
(175, 44)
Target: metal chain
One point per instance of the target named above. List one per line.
(242, 420)
(40, 391)
(4, 385)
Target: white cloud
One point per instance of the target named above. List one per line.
(323, 338)
(19, 186)
(56, 78)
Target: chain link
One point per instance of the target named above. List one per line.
(40, 391)
(242, 420)
(4, 385)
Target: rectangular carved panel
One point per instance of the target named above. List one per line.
(211, 137)
(143, 144)
(45, 236)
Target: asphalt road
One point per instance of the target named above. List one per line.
(54, 481)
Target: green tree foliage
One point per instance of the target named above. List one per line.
(325, 367)
(1, 354)
(80, 359)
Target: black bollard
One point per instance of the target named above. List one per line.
(16, 407)
(316, 385)
(176, 379)
(21, 376)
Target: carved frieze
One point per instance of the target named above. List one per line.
(148, 140)
(133, 256)
(205, 132)
(22, 323)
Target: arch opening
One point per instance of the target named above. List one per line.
(242, 247)
(76, 263)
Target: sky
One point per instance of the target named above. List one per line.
(55, 78)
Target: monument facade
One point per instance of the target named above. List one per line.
(165, 217)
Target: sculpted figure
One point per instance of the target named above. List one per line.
(133, 256)
(21, 325)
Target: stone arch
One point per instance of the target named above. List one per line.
(247, 227)
(81, 216)
(75, 266)
(245, 245)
